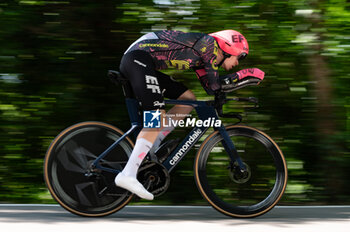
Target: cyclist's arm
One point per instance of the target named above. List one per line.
(208, 50)
(209, 54)
(203, 78)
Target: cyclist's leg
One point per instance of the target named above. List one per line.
(180, 111)
(138, 67)
(173, 89)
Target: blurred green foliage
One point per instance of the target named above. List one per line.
(54, 56)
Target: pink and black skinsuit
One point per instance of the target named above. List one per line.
(164, 49)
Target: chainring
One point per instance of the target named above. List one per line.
(154, 177)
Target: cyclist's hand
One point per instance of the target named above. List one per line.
(251, 76)
(228, 80)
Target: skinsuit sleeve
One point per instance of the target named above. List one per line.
(208, 75)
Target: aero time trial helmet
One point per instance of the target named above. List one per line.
(232, 42)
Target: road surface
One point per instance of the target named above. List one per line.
(47, 218)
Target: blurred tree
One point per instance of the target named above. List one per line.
(54, 56)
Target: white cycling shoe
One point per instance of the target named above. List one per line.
(133, 185)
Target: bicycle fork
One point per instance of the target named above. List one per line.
(230, 148)
(204, 112)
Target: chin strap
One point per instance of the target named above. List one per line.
(226, 55)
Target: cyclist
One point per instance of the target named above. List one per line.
(164, 49)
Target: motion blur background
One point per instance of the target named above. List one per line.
(54, 56)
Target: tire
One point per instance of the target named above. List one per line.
(252, 195)
(69, 159)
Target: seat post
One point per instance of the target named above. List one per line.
(127, 89)
(132, 103)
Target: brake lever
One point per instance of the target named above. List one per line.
(232, 115)
(247, 99)
(253, 99)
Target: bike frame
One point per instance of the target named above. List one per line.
(204, 109)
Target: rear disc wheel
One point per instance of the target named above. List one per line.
(72, 180)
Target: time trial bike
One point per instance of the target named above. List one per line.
(238, 169)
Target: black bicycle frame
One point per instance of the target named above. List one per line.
(204, 109)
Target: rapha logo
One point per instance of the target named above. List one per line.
(151, 119)
(157, 103)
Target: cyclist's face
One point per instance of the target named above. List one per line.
(230, 62)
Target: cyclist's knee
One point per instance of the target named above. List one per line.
(188, 95)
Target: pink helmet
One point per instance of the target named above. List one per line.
(232, 42)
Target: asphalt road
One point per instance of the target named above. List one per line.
(169, 218)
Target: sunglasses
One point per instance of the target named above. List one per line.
(241, 56)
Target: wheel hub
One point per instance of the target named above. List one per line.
(239, 176)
